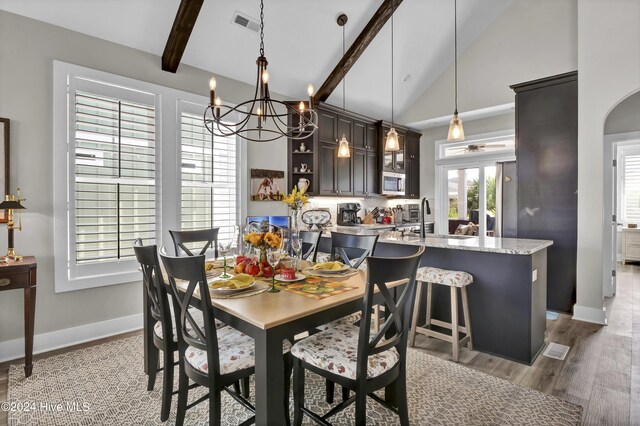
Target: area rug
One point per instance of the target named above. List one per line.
(105, 385)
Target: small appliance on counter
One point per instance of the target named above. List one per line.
(411, 213)
(348, 214)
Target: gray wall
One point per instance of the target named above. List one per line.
(27, 51)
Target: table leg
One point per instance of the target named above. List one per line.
(29, 320)
(269, 380)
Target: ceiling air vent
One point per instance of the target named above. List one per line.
(244, 21)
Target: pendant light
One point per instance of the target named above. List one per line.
(392, 143)
(343, 146)
(456, 132)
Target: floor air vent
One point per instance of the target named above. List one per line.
(556, 351)
(244, 21)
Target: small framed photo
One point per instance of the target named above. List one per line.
(267, 185)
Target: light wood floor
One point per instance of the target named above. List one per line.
(601, 372)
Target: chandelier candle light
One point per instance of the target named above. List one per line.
(261, 119)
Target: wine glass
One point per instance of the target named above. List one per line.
(225, 247)
(296, 246)
(274, 254)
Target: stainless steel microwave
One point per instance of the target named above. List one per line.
(393, 183)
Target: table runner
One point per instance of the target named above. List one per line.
(316, 288)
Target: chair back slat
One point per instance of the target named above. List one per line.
(381, 272)
(207, 236)
(157, 296)
(310, 242)
(362, 244)
(190, 269)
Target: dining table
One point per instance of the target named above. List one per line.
(270, 318)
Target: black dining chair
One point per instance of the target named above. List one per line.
(207, 236)
(310, 242)
(211, 357)
(162, 323)
(354, 358)
(352, 249)
(160, 311)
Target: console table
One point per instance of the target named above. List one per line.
(22, 275)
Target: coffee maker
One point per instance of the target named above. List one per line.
(348, 214)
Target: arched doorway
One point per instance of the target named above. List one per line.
(621, 193)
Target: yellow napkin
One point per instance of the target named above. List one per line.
(209, 267)
(328, 266)
(239, 281)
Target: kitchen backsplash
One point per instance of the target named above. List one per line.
(367, 204)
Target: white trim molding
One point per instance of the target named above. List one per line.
(45, 342)
(589, 314)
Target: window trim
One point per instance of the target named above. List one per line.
(167, 172)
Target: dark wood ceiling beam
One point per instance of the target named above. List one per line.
(180, 33)
(373, 27)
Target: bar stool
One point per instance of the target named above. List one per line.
(453, 279)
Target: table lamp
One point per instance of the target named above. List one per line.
(10, 204)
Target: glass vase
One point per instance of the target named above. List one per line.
(295, 219)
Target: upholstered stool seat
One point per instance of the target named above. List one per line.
(454, 280)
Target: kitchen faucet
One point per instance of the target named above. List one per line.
(424, 208)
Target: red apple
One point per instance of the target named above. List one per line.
(252, 270)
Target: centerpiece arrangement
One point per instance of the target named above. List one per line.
(295, 201)
(261, 241)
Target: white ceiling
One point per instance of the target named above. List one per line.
(302, 40)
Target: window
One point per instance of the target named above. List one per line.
(209, 176)
(115, 173)
(468, 180)
(106, 140)
(631, 189)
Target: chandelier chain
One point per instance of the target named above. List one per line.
(261, 27)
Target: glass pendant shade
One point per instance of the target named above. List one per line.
(456, 131)
(343, 148)
(391, 143)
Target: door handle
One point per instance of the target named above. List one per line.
(5, 282)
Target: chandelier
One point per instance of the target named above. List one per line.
(261, 119)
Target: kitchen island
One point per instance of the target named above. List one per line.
(507, 299)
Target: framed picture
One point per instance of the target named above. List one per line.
(4, 162)
(267, 185)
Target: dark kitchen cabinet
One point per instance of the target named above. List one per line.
(344, 177)
(345, 128)
(359, 139)
(359, 172)
(412, 146)
(412, 181)
(547, 177)
(372, 138)
(327, 126)
(327, 160)
(373, 173)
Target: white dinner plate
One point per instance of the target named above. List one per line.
(299, 277)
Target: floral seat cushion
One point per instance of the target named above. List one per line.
(350, 319)
(336, 350)
(195, 313)
(236, 351)
(444, 277)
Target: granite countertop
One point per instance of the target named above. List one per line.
(517, 246)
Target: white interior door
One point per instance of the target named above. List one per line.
(614, 217)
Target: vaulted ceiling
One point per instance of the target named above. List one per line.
(302, 40)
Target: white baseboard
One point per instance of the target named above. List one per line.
(14, 349)
(587, 314)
